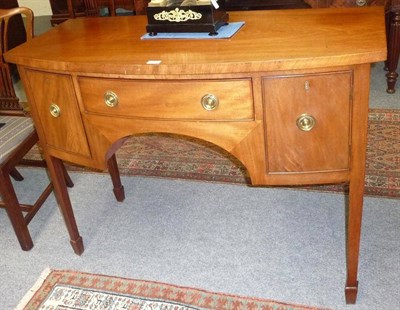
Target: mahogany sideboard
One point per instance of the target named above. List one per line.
(292, 106)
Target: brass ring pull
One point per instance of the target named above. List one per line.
(361, 2)
(55, 110)
(110, 99)
(305, 122)
(209, 102)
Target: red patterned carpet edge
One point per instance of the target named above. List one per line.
(383, 153)
(63, 289)
(159, 155)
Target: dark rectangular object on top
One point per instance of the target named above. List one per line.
(194, 18)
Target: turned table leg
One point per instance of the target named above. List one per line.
(56, 170)
(393, 45)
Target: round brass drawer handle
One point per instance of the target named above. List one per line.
(209, 102)
(361, 2)
(55, 110)
(305, 122)
(110, 99)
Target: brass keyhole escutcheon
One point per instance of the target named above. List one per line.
(110, 99)
(209, 102)
(55, 110)
(305, 122)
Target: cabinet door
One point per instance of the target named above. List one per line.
(307, 122)
(63, 129)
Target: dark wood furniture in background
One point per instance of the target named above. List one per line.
(65, 9)
(243, 5)
(8, 98)
(138, 7)
(393, 43)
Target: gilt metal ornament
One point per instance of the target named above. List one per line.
(177, 15)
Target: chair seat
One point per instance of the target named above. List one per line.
(15, 130)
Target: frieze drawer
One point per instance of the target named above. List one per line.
(169, 99)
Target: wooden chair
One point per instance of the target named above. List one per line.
(17, 137)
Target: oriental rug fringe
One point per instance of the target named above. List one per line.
(62, 290)
(160, 155)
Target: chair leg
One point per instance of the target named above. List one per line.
(14, 212)
(16, 175)
(118, 189)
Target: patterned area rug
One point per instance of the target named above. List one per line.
(62, 290)
(159, 155)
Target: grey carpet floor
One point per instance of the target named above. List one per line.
(280, 244)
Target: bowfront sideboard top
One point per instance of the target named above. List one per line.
(270, 40)
(287, 95)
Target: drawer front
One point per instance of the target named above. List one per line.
(308, 128)
(57, 109)
(169, 99)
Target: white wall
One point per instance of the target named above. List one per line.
(39, 7)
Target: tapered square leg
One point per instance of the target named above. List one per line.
(57, 174)
(351, 293)
(119, 191)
